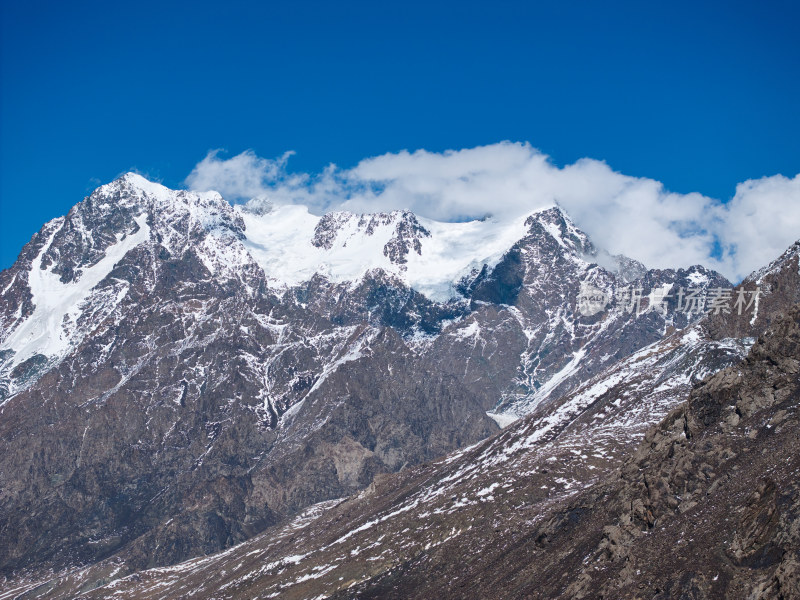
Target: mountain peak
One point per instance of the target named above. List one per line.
(133, 188)
(138, 182)
(560, 227)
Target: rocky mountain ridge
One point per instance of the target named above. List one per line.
(544, 512)
(183, 394)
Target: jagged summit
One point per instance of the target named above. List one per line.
(291, 245)
(132, 187)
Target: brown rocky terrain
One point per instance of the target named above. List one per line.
(187, 406)
(707, 506)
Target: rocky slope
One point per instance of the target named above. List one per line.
(705, 507)
(178, 375)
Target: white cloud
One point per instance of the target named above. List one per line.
(243, 176)
(761, 221)
(629, 215)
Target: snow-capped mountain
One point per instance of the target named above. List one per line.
(178, 374)
(64, 282)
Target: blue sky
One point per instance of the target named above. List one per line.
(699, 96)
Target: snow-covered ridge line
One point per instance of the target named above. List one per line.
(292, 245)
(282, 242)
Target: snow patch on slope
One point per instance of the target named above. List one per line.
(51, 329)
(551, 384)
(503, 419)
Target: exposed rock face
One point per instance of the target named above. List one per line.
(708, 506)
(406, 231)
(772, 291)
(717, 480)
(169, 389)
